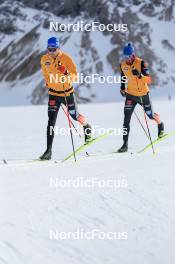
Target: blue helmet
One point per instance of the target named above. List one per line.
(128, 50)
(53, 43)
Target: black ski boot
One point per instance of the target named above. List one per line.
(47, 154)
(160, 130)
(87, 133)
(124, 148)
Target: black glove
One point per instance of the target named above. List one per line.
(135, 72)
(123, 93)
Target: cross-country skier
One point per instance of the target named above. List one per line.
(59, 63)
(135, 90)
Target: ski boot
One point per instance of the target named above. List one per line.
(47, 154)
(87, 133)
(124, 148)
(160, 130)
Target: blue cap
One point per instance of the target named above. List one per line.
(53, 42)
(128, 50)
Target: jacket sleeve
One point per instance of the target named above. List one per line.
(43, 68)
(123, 83)
(71, 67)
(145, 72)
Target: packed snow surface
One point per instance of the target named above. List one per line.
(34, 209)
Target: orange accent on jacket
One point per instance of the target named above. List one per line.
(52, 75)
(135, 86)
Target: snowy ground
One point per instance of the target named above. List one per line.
(32, 208)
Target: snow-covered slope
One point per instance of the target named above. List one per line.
(32, 207)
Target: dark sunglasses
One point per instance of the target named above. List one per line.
(51, 49)
(128, 57)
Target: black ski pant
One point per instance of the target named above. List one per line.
(130, 104)
(54, 104)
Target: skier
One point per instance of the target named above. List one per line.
(58, 62)
(136, 90)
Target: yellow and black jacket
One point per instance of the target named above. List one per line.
(135, 86)
(50, 66)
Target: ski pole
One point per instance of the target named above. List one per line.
(68, 117)
(69, 122)
(141, 125)
(149, 134)
(150, 138)
(66, 113)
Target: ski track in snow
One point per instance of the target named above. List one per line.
(30, 207)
